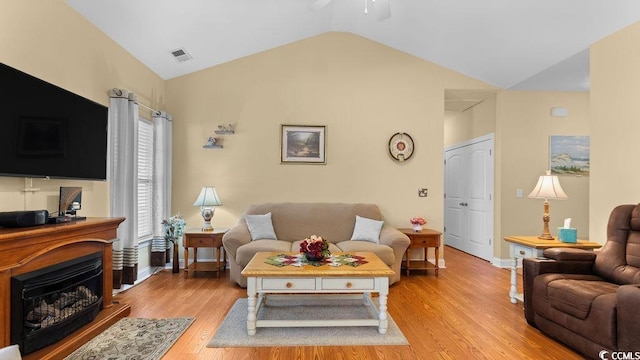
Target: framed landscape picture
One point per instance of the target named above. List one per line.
(569, 155)
(303, 144)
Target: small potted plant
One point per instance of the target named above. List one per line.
(315, 248)
(173, 229)
(417, 222)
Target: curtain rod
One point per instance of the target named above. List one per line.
(119, 92)
(147, 107)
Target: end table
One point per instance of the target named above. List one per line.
(196, 238)
(521, 247)
(423, 239)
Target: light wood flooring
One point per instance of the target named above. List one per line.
(464, 313)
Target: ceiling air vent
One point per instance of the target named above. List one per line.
(181, 55)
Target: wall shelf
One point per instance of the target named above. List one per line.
(222, 132)
(212, 146)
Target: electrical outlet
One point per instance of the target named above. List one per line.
(423, 192)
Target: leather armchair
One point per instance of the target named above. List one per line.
(587, 300)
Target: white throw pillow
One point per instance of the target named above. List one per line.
(10, 353)
(367, 229)
(260, 226)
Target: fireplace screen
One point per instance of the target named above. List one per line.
(51, 303)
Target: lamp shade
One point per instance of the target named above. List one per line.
(208, 197)
(548, 187)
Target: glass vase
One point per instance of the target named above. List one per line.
(311, 257)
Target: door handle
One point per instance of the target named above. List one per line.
(463, 204)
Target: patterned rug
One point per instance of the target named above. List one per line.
(233, 330)
(131, 338)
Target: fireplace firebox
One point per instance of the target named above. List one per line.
(50, 303)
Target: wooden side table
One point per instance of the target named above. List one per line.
(196, 238)
(521, 247)
(423, 239)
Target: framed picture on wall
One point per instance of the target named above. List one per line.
(569, 155)
(303, 144)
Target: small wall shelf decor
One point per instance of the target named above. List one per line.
(225, 129)
(212, 143)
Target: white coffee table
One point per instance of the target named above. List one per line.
(341, 281)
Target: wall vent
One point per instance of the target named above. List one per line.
(181, 55)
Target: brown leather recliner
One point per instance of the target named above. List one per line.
(590, 301)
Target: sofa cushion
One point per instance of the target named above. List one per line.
(260, 226)
(333, 221)
(384, 252)
(11, 352)
(367, 229)
(599, 326)
(246, 252)
(575, 296)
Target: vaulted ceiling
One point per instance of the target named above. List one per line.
(512, 44)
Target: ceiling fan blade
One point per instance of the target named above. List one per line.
(319, 4)
(382, 9)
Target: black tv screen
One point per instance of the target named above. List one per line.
(48, 131)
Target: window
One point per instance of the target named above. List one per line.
(145, 179)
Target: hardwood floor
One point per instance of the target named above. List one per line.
(465, 313)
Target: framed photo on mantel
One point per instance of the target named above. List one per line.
(303, 144)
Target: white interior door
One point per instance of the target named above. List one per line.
(468, 213)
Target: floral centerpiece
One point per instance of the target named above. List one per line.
(417, 222)
(315, 248)
(173, 227)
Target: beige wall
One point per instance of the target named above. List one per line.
(49, 40)
(461, 126)
(362, 91)
(522, 147)
(615, 126)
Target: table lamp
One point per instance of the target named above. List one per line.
(548, 187)
(207, 199)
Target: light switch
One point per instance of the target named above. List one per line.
(518, 193)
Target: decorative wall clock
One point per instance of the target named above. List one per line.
(401, 146)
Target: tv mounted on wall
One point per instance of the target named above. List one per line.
(49, 132)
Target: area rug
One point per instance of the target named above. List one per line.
(132, 338)
(233, 330)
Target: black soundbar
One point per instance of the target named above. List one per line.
(12, 219)
(65, 219)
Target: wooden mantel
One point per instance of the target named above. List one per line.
(23, 250)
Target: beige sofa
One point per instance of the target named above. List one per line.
(292, 222)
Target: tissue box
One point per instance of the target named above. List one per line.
(568, 235)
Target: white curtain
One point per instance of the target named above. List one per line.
(123, 183)
(162, 138)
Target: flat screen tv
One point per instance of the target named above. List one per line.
(49, 132)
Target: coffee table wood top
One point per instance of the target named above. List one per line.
(258, 267)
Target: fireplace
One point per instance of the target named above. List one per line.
(28, 253)
(50, 303)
